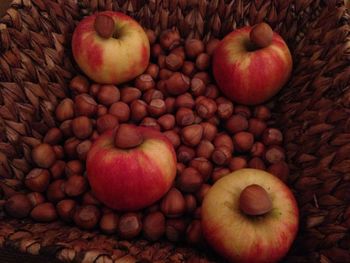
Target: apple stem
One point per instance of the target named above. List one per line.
(255, 201)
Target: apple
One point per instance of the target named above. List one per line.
(251, 64)
(250, 216)
(110, 47)
(131, 167)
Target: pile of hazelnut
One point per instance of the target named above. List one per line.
(212, 137)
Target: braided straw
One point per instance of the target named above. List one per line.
(313, 112)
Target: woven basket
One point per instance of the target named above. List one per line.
(313, 112)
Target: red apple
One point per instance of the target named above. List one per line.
(133, 177)
(251, 64)
(250, 216)
(110, 47)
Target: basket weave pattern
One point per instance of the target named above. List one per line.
(313, 112)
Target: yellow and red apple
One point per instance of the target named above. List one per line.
(250, 216)
(110, 47)
(251, 64)
(128, 179)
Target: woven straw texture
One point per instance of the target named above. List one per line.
(313, 112)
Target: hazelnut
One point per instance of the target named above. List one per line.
(151, 94)
(156, 50)
(221, 155)
(173, 203)
(220, 172)
(36, 198)
(206, 108)
(256, 163)
(66, 128)
(74, 167)
(59, 152)
(222, 139)
(254, 200)
(191, 135)
(121, 110)
(194, 47)
(243, 110)
(79, 84)
(189, 180)
(85, 105)
(209, 131)
(243, 141)
(83, 149)
(194, 234)
(262, 113)
(53, 136)
(211, 46)
(37, 180)
(188, 68)
(151, 35)
(202, 61)
(156, 107)
(65, 110)
(211, 91)
(236, 123)
(101, 110)
(109, 223)
(89, 199)
(184, 117)
(108, 94)
(170, 104)
(175, 229)
(203, 166)
(185, 154)
(104, 25)
(106, 122)
(161, 61)
(86, 216)
(173, 137)
(179, 51)
(152, 70)
(237, 163)
(164, 73)
(258, 149)
(18, 206)
(138, 109)
(261, 35)
(129, 225)
(144, 82)
(129, 94)
(150, 123)
(55, 191)
(225, 108)
(65, 209)
(256, 127)
(177, 84)
(128, 136)
(274, 154)
(167, 121)
(272, 136)
(205, 149)
(184, 100)
(94, 88)
(169, 39)
(82, 127)
(191, 203)
(204, 76)
(180, 167)
(70, 147)
(154, 226)
(43, 155)
(75, 185)
(44, 212)
(173, 62)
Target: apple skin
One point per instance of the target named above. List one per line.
(112, 60)
(131, 179)
(242, 238)
(251, 77)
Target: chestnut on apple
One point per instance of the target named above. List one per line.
(251, 64)
(110, 47)
(131, 167)
(250, 216)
